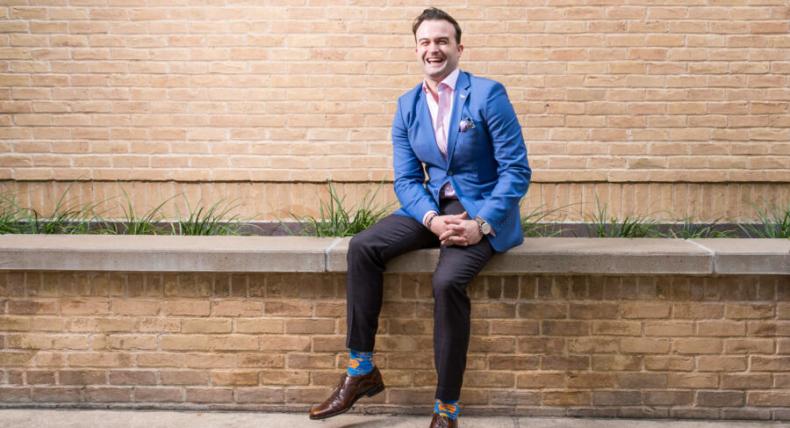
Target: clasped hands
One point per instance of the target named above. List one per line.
(456, 229)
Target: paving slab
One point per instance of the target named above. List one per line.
(749, 256)
(130, 253)
(64, 418)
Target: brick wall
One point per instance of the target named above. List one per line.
(304, 91)
(277, 201)
(661, 346)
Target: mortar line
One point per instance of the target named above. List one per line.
(710, 251)
(326, 253)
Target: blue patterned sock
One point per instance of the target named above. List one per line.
(359, 363)
(451, 409)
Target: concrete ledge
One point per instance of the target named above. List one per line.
(598, 256)
(163, 253)
(746, 256)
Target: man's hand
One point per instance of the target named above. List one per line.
(460, 231)
(440, 223)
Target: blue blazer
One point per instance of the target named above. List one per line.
(486, 164)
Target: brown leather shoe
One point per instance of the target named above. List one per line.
(350, 389)
(440, 421)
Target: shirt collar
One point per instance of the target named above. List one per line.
(450, 80)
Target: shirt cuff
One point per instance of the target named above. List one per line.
(427, 216)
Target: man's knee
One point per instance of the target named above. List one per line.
(360, 245)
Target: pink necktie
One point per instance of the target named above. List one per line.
(444, 107)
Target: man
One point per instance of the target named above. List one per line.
(462, 131)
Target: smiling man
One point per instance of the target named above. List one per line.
(460, 172)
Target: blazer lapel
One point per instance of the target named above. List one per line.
(461, 98)
(426, 133)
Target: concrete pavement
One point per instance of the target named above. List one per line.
(63, 418)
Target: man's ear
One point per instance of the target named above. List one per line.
(460, 49)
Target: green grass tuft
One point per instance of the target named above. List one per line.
(603, 226)
(774, 223)
(214, 220)
(532, 225)
(690, 230)
(335, 219)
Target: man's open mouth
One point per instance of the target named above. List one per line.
(434, 61)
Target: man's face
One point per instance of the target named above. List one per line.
(437, 50)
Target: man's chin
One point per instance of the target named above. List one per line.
(437, 74)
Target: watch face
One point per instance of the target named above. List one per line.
(486, 228)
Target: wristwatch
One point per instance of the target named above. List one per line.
(485, 228)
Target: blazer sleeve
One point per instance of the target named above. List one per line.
(510, 153)
(409, 174)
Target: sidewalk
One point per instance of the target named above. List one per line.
(34, 418)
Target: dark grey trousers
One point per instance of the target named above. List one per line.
(368, 254)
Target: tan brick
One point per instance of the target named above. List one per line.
(233, 308)
(697, 346)
(541, 310)
(669, 328)
(108, 394)
(617, 328)
(746, 381)
(721, 328)
(84, 307)
(645, 310)
(616, 362)
(56, 394)
(772, 399)
(186, 307)
(236, 342)
(132, 377)
(310, 326)
(207, 326)
(134, 307)
(711, 363)
(741, 311)
(184, 342)
(285, 343)
(32, 307)
(82, 377)
(183, 377)
(538, 380)
(590, 380)
(258, 325)
(564, 399)
(565, 328)
(284, 377)
(720, 398)
(236, 378)
(665, 363)
(692, 380)
(644, 346)
(158, 394)
(761, 363)
(749, 346)
(260, 395)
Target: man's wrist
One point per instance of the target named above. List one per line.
(484, 227)
(428, 218)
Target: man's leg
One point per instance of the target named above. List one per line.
(368, 254)
(456, 268)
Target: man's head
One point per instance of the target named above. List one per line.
(438, 38)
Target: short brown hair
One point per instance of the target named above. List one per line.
(434, 14)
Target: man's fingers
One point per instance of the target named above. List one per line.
(447, 233)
